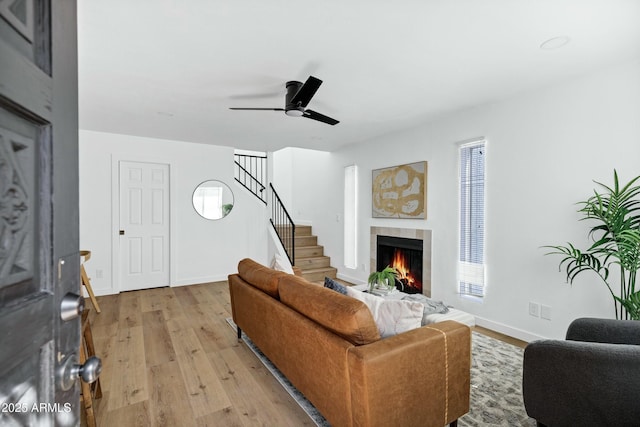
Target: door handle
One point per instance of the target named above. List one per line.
(121, 232)
(90, 371)
(70, 370)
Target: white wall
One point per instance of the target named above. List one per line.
(302, 179)
(544, 149)
(280, 175)
(201, 250)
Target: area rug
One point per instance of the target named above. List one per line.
(496, 384)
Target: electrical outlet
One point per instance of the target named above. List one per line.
(98, 274)
(534, 309)
(545, 312)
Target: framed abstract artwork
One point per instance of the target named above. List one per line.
(400, 191)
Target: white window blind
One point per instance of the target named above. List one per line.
(471, 267)
(350, 216)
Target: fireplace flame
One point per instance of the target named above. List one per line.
(400, 263)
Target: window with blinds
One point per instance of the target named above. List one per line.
(350, 216)
(471, 269)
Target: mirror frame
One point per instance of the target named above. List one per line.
(225, 208)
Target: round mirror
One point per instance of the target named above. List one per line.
(213, 199)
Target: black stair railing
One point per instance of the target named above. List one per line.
(283, 225)
(251, 173)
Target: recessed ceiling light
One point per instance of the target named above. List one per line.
(555, 43)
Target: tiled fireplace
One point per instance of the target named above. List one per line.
(409, 250)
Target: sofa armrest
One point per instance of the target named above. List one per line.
(605, 331)
(417, 378)
(581, 383)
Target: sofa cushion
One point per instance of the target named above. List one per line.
(259, 276)
(392, 317)
(430, 306)
(340, 314)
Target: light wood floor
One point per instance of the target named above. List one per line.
(170, 359)
(501, 337)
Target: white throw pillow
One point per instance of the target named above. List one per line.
(281, 264)
(391, 316)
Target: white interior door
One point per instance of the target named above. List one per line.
(144, 225)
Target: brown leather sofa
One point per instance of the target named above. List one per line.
(327, 344)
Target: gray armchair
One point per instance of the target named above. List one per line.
(591, 379)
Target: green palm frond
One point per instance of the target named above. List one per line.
(631, 304)
(575, 262)
(615, 240)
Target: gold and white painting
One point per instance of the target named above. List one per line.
(400, 191)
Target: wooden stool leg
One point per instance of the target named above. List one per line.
(87, 337)
(87, 285)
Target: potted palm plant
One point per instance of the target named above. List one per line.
(616, 244)
(385, 279)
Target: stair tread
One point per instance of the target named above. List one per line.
(310, 239)
(310, 259)
(319, 269)
(301, 252)
(317, 275)
(313, 261)
(301, 258)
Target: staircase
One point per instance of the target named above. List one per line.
(251, 172)
(310, 258)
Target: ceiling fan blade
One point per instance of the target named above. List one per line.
(306, 92)
(310, 114)
(257, 109)
(263, 95)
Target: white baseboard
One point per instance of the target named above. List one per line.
(508, 330)
(199, 280)
(99, 292)
(350, 279)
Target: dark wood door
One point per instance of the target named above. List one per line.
(39, 257)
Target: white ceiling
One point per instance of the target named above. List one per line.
(170, 69)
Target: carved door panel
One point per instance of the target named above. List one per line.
(39, 260)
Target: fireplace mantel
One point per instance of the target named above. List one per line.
(410, 233)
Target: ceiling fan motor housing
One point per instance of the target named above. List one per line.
(291, 109)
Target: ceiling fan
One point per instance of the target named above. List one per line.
(297, 97)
